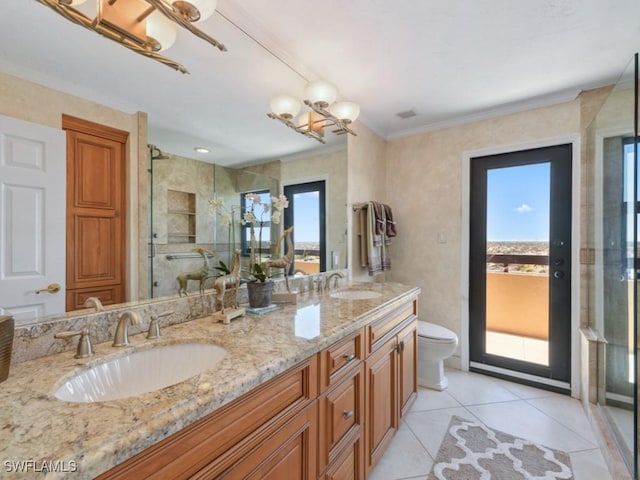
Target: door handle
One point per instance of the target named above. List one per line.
(52, 288)
(558, 274)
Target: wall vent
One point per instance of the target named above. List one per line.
(406, 114)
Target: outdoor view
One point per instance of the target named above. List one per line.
(307, 232)
(306, 229)
(517, 317)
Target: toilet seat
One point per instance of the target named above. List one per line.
(436, 333)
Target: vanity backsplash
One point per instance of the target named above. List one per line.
(31, 341)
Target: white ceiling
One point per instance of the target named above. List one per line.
(450, 61)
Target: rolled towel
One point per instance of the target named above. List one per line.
(390, 224)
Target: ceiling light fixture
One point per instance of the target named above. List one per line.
(201, 149)
(144, 26)
(319, 97)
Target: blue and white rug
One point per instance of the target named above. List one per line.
(471, 451)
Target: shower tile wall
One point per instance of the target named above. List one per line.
(179, 174)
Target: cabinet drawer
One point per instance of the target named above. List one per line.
(348, 465)
(244, 422)
(339, 357)
(341, 415)
(378, 331)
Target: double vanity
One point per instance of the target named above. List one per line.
(318, 388)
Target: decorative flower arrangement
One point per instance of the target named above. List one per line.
(273, 211)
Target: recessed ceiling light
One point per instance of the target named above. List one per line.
(201, 150)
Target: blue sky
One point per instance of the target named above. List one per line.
(306, 224)
(518, 203)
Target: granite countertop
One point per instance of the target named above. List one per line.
(90, 438)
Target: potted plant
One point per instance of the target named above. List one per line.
(260, 285)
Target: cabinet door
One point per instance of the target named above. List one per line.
(290, 453)
(341, 416)
(348, 466)
(407, 375)
(382, 395)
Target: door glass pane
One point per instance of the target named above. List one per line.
(306, 221)
(517, 277)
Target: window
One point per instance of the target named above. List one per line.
(306, 213)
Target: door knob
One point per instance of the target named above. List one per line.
(52, 288)
(558, 274)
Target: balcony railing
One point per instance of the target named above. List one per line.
(518, 301)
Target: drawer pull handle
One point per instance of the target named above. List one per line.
(347, 414)
(349, 356)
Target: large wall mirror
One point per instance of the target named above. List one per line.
(169, 201)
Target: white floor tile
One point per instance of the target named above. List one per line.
(567, 411)
(433, 400)
(405, 458)
(523, 420)
(589, 465)
(430, 426)
(473, 389)
(525, 391)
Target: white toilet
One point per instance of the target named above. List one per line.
(435, 343)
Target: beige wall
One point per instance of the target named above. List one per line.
(38, 104)
(366, 180)
(331, 167)
(425, 187)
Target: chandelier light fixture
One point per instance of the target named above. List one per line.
(323, 112)
(144, 26)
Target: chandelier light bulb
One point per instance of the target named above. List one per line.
(320, 93)
(161, 29)
(285, 106)
(74, 3)
(345, 111)
(205, 7)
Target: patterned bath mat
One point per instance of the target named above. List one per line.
(471, 451)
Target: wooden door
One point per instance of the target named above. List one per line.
(382, 394)
(96, 157)
(32, 211)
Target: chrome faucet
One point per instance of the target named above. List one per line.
(335, 276)
(318, 283)
(95, 303)
(122, 330)
(85, 349)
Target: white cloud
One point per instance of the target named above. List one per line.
(524, 208)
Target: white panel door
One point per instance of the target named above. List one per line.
(32, 218)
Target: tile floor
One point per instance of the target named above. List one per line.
(551, 419)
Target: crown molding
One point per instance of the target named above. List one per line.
(508, 109)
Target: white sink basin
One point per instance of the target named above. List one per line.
(140, 372)
(355, 294)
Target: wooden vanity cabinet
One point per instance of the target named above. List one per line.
(268, 429)
(342, 410)
(330, 417)
(391, 376)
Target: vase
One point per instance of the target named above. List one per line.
(259, 294)
(6, 342)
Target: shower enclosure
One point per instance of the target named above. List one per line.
(613, 237)
(183, 196)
